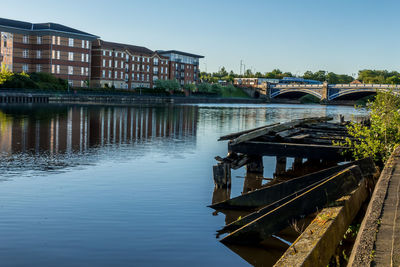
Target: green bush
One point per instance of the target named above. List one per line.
(379, 139)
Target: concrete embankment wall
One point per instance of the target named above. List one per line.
(32, 97)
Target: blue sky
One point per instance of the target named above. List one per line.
(292, 35)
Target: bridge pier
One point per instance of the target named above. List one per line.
(325, 88)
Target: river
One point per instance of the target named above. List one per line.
(98, 185)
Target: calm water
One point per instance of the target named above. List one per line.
(122, 186)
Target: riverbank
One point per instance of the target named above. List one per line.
(117, 97)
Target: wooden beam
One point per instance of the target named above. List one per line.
(306, 203)
(288, 150)
(318, 243)
(268, 195)
(274, 129)
(235, 135)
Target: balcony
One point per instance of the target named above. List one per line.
(155, 73)
(155, 63)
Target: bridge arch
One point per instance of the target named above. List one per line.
(296, 91)
(354, 92)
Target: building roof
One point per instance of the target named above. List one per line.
(130, 48)
(42, 27)
(179, 53)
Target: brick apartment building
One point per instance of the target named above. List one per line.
(81, 57)
(126, 66)
(184, 67)
(46, 47)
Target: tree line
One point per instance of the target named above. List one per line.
(364, 76)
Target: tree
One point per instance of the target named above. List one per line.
(5, 74)
(204, 87)
(190, 87)
(379, 139)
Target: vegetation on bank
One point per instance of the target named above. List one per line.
(47, 81)
(22, 80)
(381, 136)
(364, 76)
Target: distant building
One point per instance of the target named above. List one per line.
(184, 67)
(126, 66)
(46, 47)
(80, 57)
(253, 82)
(296, 80)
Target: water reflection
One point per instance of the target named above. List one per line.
(51, 137)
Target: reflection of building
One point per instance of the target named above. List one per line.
(77, 129)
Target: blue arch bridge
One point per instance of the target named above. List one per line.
(325, 92)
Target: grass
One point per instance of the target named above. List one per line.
(234, 92)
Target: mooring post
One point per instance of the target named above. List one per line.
(280, 166)
(222, 175)
(255, 165)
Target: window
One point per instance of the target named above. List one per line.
(58, 54)
(148, 68)
(83, 58)
(58, 40)
(58, 69)
(162, 69)
(82, 71)
(109, 63)
(87, 71)
(155, 61)
(122, 75)
(142, 77)
(104, 52)
(71, 56)
(25, 53)
(137, 76)
(25, 39)
(87, 57)
(104, 62)
(116, 64)
(39, 40)
(148, 77)
(166, 71)
(70, 70)
(110, 53)
(116, 54)
(104, 73)
(122, 64)
(53, 68)
(53, 40)
(70, 42)
(116, 75)
(109, 74)
(25, 68)
(142, 67)
(38, 54)
(122, 54)
(87, 45)
(83, 43)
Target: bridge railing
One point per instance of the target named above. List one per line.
(308, 86)
(365, 86)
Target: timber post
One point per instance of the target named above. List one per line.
(280, 166)
(222, 175)
(255, 165)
